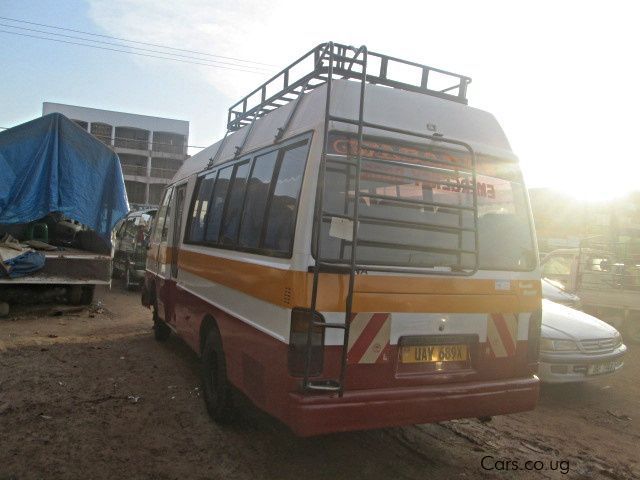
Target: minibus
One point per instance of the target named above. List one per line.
(357, 252)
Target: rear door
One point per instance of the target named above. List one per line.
(169, 252)
(159, 254)
(177, 228)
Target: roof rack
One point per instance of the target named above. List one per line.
(312, 70)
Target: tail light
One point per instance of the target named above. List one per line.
(140, 235)
(533, 339)
(300, 350)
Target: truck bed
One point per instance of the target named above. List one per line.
(69, 266)
(610, 298)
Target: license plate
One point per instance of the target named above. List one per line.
(434, 353)
(601, 368)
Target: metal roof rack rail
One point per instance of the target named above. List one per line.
(312, 69)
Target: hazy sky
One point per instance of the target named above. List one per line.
(559, 76)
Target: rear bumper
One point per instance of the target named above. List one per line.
(366, 409)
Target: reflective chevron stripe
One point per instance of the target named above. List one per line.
(502, 330)
(369, 335)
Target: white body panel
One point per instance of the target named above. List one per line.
(390, 107)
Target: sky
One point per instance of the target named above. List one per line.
(559, 76)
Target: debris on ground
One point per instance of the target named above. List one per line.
(59, 311)
(619, 416)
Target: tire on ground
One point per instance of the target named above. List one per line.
(87, 294)
(161, 330)
(74, 294)
(216, 388)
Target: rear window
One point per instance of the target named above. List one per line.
(416, 210)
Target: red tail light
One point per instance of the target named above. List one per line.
(302, 320)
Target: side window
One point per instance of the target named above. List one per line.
(214, 219)
(159, 231)
(233, 210)
(200, 207)
(281, 217)
(165, 228)
(257, 194)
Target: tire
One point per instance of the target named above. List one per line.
(127, 279)
(115, 272)
(632, 330)
(215, 385)
(74, 294)
(161, 330)
(87, 294)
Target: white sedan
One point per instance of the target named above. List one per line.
(575, 346)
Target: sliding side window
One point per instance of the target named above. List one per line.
(257, 194)
(233, 210)
(200, 208)
(214, 219)
(283, 207)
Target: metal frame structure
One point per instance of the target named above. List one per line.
(337, 60)
(330, 61)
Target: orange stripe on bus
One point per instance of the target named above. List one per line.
(373, 293)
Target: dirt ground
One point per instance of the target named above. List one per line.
(88, 393)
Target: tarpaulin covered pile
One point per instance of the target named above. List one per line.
(50, 164)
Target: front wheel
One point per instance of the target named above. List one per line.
(215, 385)
(129, 282)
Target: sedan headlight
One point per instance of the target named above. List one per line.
(552, 345)
(618, 339)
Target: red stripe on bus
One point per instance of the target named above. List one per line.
(366, 337)
(507, 341)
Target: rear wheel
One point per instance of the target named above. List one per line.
(74, 294)
(87, 294)
(215, 385)
(161, 330)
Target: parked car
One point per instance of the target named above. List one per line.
(575, 346)
(130, 247)
(554, 290)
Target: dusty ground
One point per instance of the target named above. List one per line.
(90, 394)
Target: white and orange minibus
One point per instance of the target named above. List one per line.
(357, 252)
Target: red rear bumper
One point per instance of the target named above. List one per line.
(366, 409)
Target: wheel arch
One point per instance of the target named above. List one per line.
(208, 323)
(148, 293)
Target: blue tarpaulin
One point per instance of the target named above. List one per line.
(23, 264)
(50, 164)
